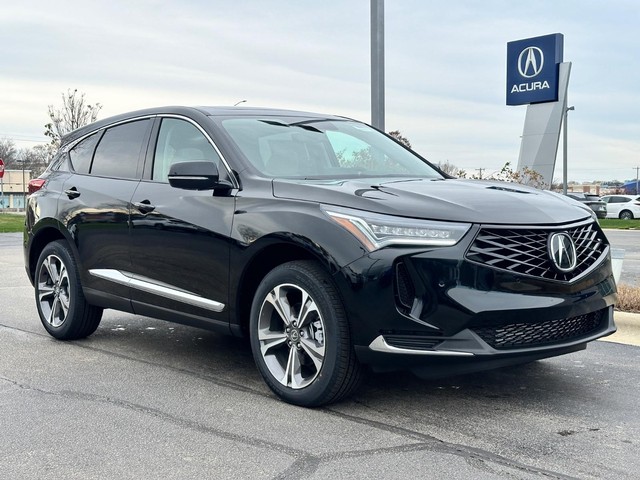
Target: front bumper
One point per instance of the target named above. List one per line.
(463, 316)
(468, 352)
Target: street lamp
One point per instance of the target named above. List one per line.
(238, 103)
(564, 149)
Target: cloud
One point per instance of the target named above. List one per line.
(445, 66)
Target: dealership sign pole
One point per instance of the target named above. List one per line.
(538, 77)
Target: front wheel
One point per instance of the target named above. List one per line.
(626, 215)
(300, 336)
(63, 310)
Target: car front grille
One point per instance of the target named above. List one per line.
(522, 335)
(524, 250)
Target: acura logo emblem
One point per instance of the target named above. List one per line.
(562, 252)
(530, 62)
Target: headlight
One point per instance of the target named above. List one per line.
(375, 230)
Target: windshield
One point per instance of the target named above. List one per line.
(319, 148)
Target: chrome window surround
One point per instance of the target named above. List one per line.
(230, 173)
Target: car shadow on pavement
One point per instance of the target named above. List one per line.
(226, 359)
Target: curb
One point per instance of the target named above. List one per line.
(628, 328)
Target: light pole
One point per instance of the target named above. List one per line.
(24, 190)
(238, 103)
(377, 64)
(564, 150)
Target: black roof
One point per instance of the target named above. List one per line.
(190, 111)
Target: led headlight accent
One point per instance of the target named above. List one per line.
(376, 230)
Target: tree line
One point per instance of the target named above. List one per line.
(74, 113)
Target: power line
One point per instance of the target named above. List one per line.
(18, 137)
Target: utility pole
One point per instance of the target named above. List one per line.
(637, 170)
(480, 172)
(377, 64)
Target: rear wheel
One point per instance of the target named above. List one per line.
(626, 215)
(300, 336)
(63, 310)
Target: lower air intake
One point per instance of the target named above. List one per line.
(522, 335)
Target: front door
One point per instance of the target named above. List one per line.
(180, 238)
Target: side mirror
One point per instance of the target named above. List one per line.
(196, 176)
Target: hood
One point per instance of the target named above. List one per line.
(472, 201)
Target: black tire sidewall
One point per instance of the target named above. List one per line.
(59, 249)
(321, 387)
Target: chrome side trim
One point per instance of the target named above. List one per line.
(380, 345)
(186, 178)
(148, 286)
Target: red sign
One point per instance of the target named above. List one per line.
(1, 168)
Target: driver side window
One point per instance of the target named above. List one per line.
(180, 141)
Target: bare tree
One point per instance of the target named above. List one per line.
(75, 113)
(35, 159)
(401, 138)
(8, 152)
(525, 176)
(450, 169)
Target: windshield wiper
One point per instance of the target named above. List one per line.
(296, 124)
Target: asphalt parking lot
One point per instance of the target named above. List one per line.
(148, 399)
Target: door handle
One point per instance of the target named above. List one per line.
(144, 206)
(72, 193)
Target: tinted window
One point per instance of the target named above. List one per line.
(81, 155)
(57, 160)
(180, 141)
(294, 147)
(119, 150)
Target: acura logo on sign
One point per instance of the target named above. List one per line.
(562, 252)
(530, 62)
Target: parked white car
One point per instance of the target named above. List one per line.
(625, 207)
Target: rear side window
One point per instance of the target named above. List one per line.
(82, 154)
(119, 150)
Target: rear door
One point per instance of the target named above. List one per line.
(95, 204)
(180, 238)
(614, 205)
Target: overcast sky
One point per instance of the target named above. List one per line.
(445, 67)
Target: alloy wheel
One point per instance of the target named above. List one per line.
(53, 290)
(291, 335)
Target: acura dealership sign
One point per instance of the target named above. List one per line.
(532, 69)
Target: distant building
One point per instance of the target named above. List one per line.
(14, 188)
(584, 188)
(631, 187)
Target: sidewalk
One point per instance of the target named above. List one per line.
(628, 329)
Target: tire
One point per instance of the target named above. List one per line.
(62, 308)
(626, 215)
(308, 361)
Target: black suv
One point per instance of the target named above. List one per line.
(326, 242)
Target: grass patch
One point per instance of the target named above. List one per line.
(628, 299)
(11, 223)
(619, 224)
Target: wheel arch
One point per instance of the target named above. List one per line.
(264, 260)
(41, 238)
(625, 210)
